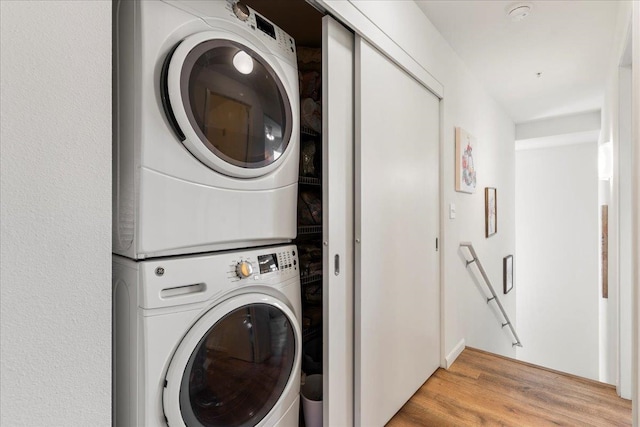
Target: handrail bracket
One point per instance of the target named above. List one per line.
(494, 296)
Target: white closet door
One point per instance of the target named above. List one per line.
(337, 156)
(397, 291)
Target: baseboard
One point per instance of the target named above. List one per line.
(453, 355)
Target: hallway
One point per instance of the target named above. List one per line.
(485, 389)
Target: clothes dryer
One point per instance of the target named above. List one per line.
(208, 340)
(206, 139)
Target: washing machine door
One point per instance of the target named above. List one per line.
(228, 103)
(235, 364)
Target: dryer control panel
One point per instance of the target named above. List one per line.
(266, 30)
(269, 264)
(236, 13)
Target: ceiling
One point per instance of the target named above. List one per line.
(568, 42)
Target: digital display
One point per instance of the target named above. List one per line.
(267, 263)
(265, 26)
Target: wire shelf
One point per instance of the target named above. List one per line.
(305, 280)
(309, 180)
(309, 229)
(311, 332)
(306, 130)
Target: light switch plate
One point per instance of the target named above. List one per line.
(452, 211)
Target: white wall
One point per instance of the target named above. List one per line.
(625, 245)
(557, 263)
(559, 125)
(466, 316)
(559, 130)
(55, 238)
(635, 209)
(619, 304)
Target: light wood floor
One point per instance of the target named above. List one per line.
(485, 389)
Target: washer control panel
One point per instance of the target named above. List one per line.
(244, 269)
(276, 263)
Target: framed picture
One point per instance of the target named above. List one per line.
(507, 268)
(490, 211)
(465, 164)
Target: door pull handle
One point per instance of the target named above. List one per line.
(336, 265)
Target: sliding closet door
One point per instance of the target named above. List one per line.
(397, 291)
(337, 155)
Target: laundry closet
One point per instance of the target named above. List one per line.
(304, 23)
(368, 215)
(206, 278)
(374, 159)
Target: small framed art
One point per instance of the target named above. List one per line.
(490, 211)
(465, 165)
(507, 269)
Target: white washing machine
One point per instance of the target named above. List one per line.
(207, 340)
(206, 130)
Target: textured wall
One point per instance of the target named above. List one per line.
(56, 213)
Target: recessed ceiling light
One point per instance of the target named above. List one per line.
(519, 11)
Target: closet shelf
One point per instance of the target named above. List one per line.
(305, 130)
(307, 180)
(309, 229)
(305, 280)
(311, 332)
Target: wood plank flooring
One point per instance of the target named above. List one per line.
(484, 389)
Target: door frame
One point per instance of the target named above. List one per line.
(338, 221)
(348, 15)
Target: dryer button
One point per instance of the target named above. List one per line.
(241, 11)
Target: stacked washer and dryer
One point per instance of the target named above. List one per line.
(206, 286)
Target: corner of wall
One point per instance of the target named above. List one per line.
(453, 355)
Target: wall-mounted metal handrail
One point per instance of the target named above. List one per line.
(494, 296)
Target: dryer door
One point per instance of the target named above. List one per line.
(228, 103)
(235, 365)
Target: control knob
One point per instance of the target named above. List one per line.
(244, 269)
(241, 11)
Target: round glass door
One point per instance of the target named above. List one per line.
(239, 369)
(235, 103)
